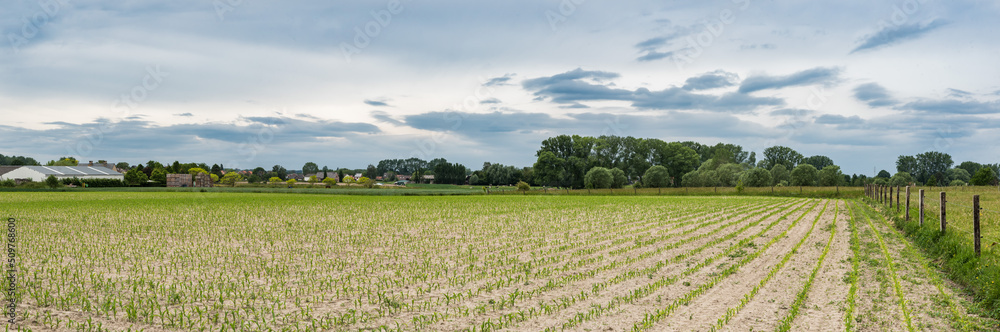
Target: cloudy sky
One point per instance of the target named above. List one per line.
(253, 83)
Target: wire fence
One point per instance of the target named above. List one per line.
(959, 209)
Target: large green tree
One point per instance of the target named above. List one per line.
(970, 166)
(933, 163)
(756, 177)
(677, 158)
(618, 178)
(656, 177)
(310, 168)
(901, 179)
(780, 155)
(135, 177)
(780, 173)
(805, 175)
(984, 177)
(598, 178)
(907, 164)
(831, 176)
(819, 162)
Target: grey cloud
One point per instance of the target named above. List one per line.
(764, 46)
(715, 79)
(184, 114)
(896, 34)
(792, 112)
(384, 117)
(959, 93)
(485, 125)
(874, 95)
(376, 103)
(502, 80)
(835, 119)
(491, 101)
(819, 75)
(654, 55)
(952, 106)
(567, 88)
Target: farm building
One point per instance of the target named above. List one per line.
(40, 173)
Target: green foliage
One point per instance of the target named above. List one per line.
(448, 173)
(231, 178)
(831, 176)
(805, 175)
(727, 174)
(366, 182)
(64, 161)
(959, 174)
(274, 179)
(756, 177)
(656, 177)
(329, 181)
(883, 174)
(906, 164)
(135, 177)
(618, 178)
(291, 181)
(598, 178)
(984, 177)
(780, 155)
(103, 183)
(215, 178)
(901, 179)
(159, 175)
(310, 168)
(819, 162)
(956, 183)
(932, 181)
(196, 170)
(52, 182)
(780, 173)
(350, 179)
(523, 186)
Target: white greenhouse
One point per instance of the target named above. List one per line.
(40, 173)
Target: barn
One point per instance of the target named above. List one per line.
(40, 173)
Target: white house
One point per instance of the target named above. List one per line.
(40, 173)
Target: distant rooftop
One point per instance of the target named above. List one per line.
(72, 170)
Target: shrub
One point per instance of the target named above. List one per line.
(52, 182)
(330, 181)
(805, 175)
(656, 177)
(957, 183)
(618, 178)
(598, 178)
(984, 177)
(756, 177)
(523, 186)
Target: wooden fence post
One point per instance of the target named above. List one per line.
(921, 208)
(944, 214)
(890, 197)
(975, 223)
(907, 218)
(897, 199)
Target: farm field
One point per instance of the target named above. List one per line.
(154, 261)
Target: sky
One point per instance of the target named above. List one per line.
(248, 83)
